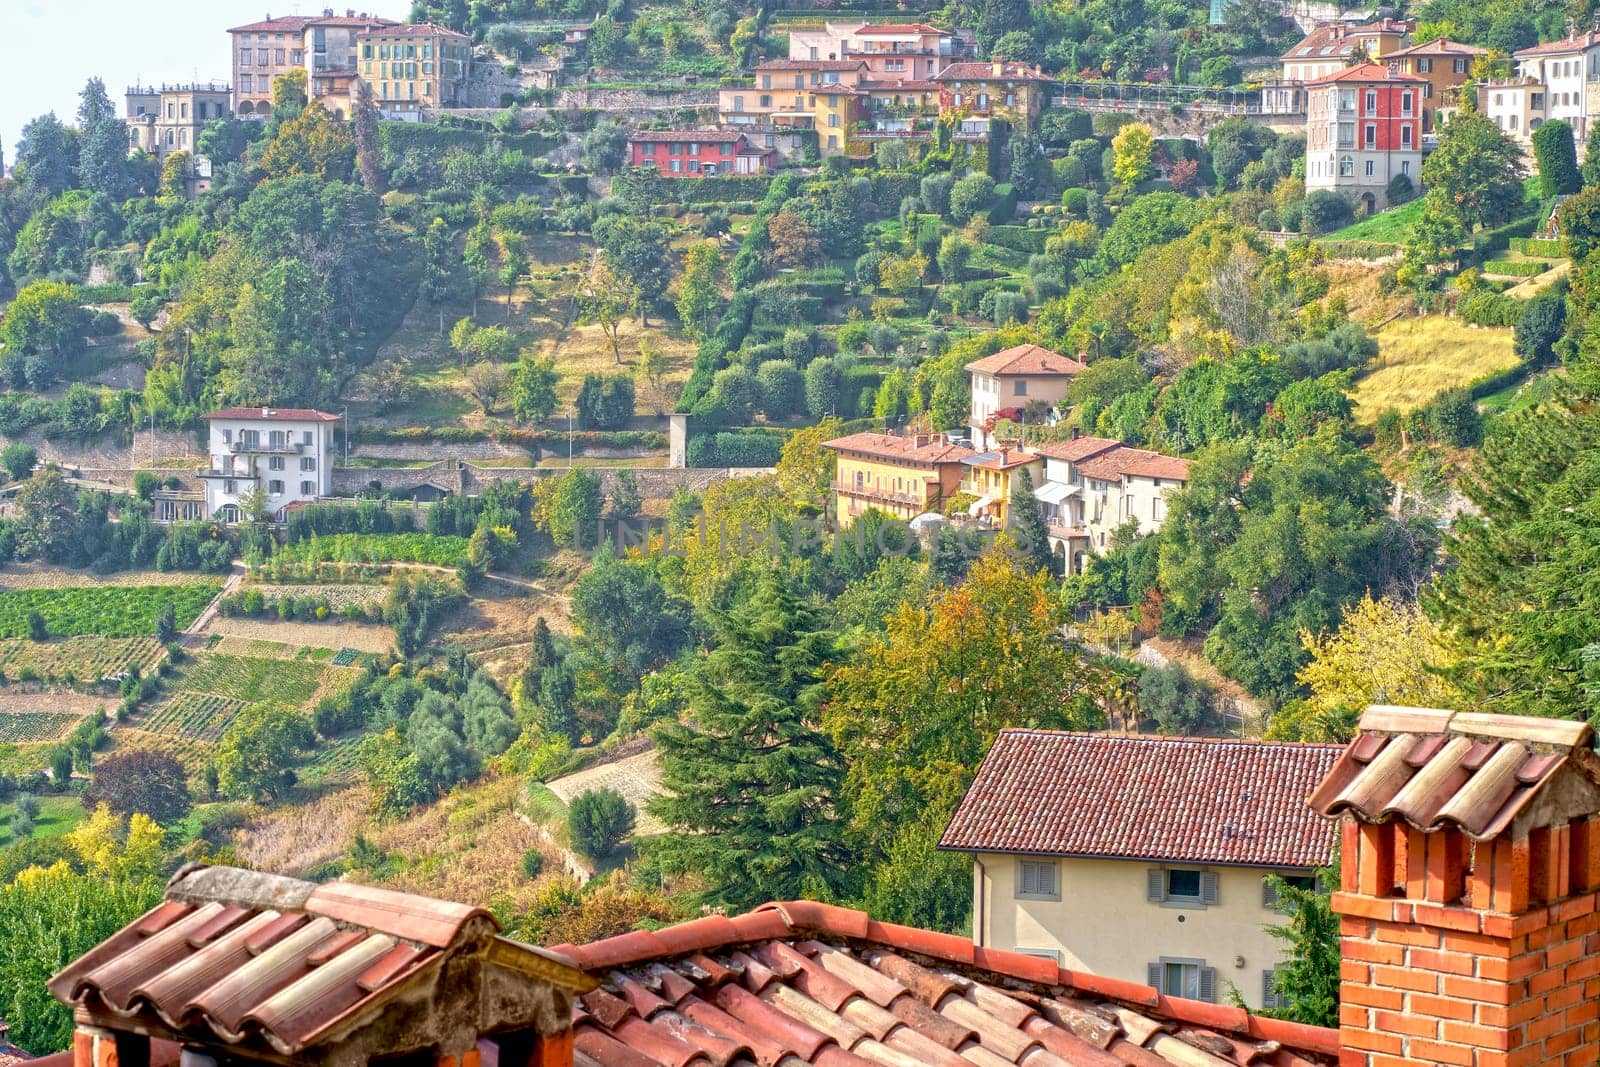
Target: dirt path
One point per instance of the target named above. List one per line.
(231, 586)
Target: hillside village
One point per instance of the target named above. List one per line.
(807, 532)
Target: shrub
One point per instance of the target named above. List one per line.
(598, 821)
(971, 195)
(19, 460)
(1400, 190)
(1009, 308)
(152, 782)
(782, 388)
(1076, 202)
(605, 402)
(1453, 419)
(1325, 211)
(532, 863)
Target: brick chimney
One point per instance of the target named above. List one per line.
(999, 68)
(1470, 877)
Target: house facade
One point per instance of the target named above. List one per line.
(891, 50)
(262, 53)
(415, 68)
(1006, 383)
(1446, 65)
(283, 454)
(974, 93)
(169, 119)
(1115, 874)
(1517, 105)
(902, 475)
(698, 153)
(993, 478)
(786, 95)
(1566, 68)
(1094, 486)
(1363, 129)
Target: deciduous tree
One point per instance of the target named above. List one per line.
(1477, 170)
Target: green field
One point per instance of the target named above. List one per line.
(443, 550)
(22, 727)
(107, 610)
(202, 716)
(1394, 226)
(247, 680)
(57, 815)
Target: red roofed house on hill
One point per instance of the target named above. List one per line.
(903, 475)
(1016, 378)
(1154, 872)
(698, 153)
(1363, 130)
(1094, 486)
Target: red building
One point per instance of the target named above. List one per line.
(698, 153)
(1363, 130)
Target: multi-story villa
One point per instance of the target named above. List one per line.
(285, 454)
(1093, 486)
(414, 68)
(169, 119)
(902, 475)
(1364, 129)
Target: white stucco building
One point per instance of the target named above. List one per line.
(1565, 68)
(286, 453)
(1093, 486)
(1007, 382)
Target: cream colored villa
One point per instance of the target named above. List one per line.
(1142, 858)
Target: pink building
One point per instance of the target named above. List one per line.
(698, 153)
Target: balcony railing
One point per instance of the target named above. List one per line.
(217, 472)
(285, 447)
(867, 492)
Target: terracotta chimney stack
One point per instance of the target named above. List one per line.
(1470, 879)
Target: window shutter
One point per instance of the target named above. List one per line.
(1047, 880)
(1269, 894)
(1155, 885)
(1153, 973)
(1208, 984)
(1030, 878)
(1269, 995)
(1208, 887)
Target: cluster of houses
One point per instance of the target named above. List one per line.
(1087, 487)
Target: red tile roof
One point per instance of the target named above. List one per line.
(1566, 46)
(274, 414)
(357, 21)
(418, 29)
(984, 72)
(1159, 799)
(805, 983)
(1365, 73)
(275, 966)
(1003, 459)
(1437, 769)
(282, 24)
(899, 446)
(1439, 46)
(903, 85)
(1338, 38)
(1027, 359)
(1114, 464)
(1079, 448)
(685, 136)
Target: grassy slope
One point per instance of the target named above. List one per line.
(1420, 358)
(1394, 226)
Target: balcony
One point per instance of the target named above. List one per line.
(218, 472)
(971, 130)
(867, 492)
(251, 447)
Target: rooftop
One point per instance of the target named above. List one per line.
(273, 966)
(919, 448)
(1577, 42)
(417, 29)
(1079, 448)
(811, 64)
(1113, 464)
(1337, 38)
(805, 983)
(987, 72)
(281, 24)
(899, 29)
(1003, 459)
(274, 414)
(1026, 359)
(1157, 799)
(1367, 72)
(674, 136)
(1439, 46)
(1437, 769)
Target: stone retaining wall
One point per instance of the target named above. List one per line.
(654, 483)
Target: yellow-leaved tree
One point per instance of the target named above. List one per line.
(1132, 150)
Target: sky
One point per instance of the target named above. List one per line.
(54, 46)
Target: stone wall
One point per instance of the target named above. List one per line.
(654, 483)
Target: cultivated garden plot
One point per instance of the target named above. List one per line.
(26, 727)
(107, 610)
(84, 658)
(250, 680)
(438, 550)
(201, 716)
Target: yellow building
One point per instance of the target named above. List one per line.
(1143, 858)
(414, 68)
(1446, 64)
(902, 475)
(799, 94)
(993, 477)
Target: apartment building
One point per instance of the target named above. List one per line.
(993, 478)
(1007, 383)
(1093, 486)
(698, 153)
(1142, 858)
(1363, 128)
(1446, 65)
(166, 119)
(787, 95)
(903, 475)
(1517, 105)
(285, 454)
(415, 68)
(1566, 69)
(262, 53)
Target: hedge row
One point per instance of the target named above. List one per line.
(1539, 246)
(1499, 239)
(747, 449)
(1488, 308)
(1357, 249)
(1521, 268)
(720, 189)
(400, 137)
(1017, 238)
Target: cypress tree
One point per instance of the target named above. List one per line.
(750, 780)
(1027, 522)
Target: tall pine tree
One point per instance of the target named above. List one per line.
(750, 779)
(1028, 525)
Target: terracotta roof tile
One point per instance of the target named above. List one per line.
(275, 965)
(828, 986)
(415, 29)
(917, 449)
(984, 72)
(1581, 42)
(1436, 769)
(1079, 448)
(1337, 38)
(1439, 46)
(840, 65)
(1110, 465)
(1027, 359)
(282, 24)
(677, 136)
(1364, 73)
(275, 414)
(1048, 793)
